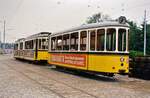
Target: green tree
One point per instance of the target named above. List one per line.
(95, 18)
(148, 39)
(135, 37)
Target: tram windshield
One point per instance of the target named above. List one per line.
(43, 43)
(16, 47)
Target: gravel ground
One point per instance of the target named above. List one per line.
(20, 79)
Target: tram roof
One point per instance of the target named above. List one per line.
(41, 34)
(94, 25)
(19, 40)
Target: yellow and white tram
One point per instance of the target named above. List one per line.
(18, 48)
(32, 48)
(99, 47)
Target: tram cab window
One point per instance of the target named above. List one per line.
(122, 40)
(83, 38)
(26, 45)
(74, 41)
(100, 39)
(111, 39)
(92, 40)
(59, 43)
(39, 44)
(16, 47)
(21, 45)
(53, 43)
(66, 42)
(44, 43)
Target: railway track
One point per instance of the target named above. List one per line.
(27, 69)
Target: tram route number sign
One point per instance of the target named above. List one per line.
(71, 59)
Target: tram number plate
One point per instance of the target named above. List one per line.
(71, 59)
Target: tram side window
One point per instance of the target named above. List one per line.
(92, 40)
(59, 43)
(53, 43)
(66, 42)
(121, 40)
(74, 41)
(21, 45)
(29, 44)
(100, 39)
(83, 38)
(111, 40)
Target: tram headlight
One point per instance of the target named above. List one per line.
(122, 19)
(121, 59)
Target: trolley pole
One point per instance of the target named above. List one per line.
(4, 35)
(0, 40)
(145, 33)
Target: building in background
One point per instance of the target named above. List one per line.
(8, 48)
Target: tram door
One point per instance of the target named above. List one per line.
(36, 48)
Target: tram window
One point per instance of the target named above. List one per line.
(16, 47)
(100, 39)
(21, 45)
(66, 42)
(92, 40)
(53, 43)
(29, 44)
(40, 44)
(26, 45)
(111, 40)
(83, 38)
(59, 43)
(121, 40)
(44, 44)
(74, 41)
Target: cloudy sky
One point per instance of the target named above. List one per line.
(26, 17)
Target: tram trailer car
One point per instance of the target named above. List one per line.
(98, 47)
(18, 48)
(32, 48)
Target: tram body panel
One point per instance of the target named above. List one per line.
(107, 63)
(29, 54)
(16, 53)
(71, 60)
(41, 55)
(21, 54)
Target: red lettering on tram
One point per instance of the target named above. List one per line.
(71, 59)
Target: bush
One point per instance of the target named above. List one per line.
(133, 54)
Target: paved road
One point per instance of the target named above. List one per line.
(24, 80)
